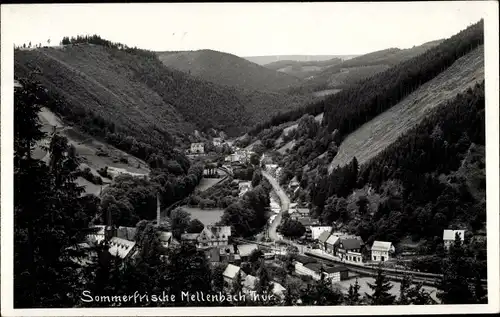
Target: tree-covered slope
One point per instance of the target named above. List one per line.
(227, 69)
(375, 135)
(134, 90)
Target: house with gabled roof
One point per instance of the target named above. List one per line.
(349, 249)
(313, 232)
(249, 284)
(210, 236)
(121, 248)
(331, 244)
(449, 237)
(382, 250)
(323, 237)
(230, 273)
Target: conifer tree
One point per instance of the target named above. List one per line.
(381, 288)
(237, 284)
(264, 285)
(49, 214)
(353, 294)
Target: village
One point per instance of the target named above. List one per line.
(321, 252)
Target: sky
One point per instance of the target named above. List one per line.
(247, 29)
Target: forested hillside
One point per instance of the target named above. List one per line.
(350, 108)
(372, 137)
(227, 69)
(132, 89)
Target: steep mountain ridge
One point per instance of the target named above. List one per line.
(227, 69)
(375, 135)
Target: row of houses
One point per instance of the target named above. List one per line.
(199, 147)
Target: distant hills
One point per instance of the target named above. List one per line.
(360, 67)
(227, 69)
(263, 60)
(304, 69)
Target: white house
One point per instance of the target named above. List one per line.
(449, 237)
(230, 274)
(331, 244)
(249, 284)
(382, 251)
(294, 184)
(198, 148)
(316, 231)
(278, 289)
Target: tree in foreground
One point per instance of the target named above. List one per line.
(50, 215)
(353, 296)
(455, 288)
(381, 288)
(413, 294)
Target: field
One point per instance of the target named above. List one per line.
(375, 135)
(87, 149)
(207, 217)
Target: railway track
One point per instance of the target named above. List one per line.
(430, 279)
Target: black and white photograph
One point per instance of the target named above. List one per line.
(249, 158)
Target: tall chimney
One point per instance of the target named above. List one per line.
(157, 209)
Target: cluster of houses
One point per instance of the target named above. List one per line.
(302, 215)
(248, 282)
(199, 147)
(239, 157)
